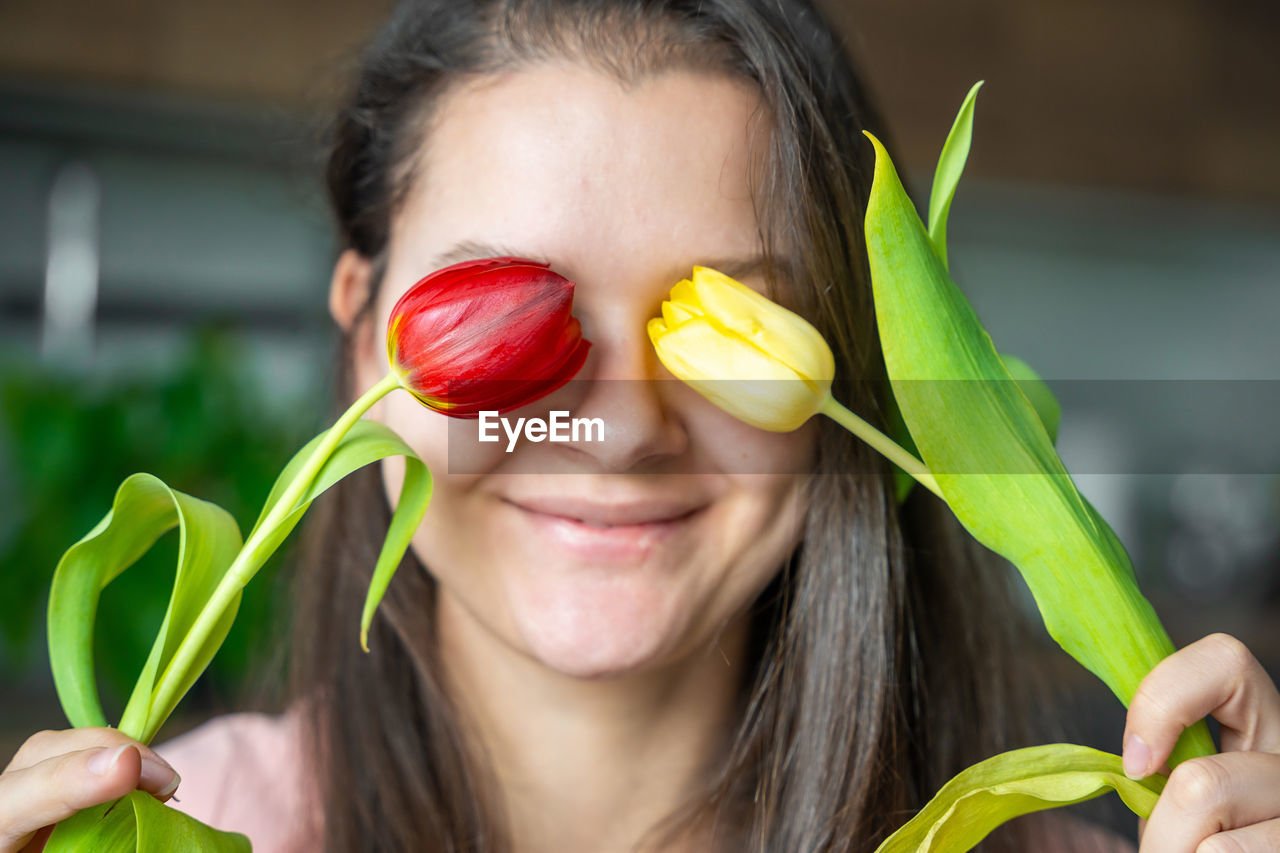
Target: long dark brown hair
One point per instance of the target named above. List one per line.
(881, 659)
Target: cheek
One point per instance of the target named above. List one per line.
(728, 445)
(765, 506)
(758, 526)
(762, 526)
(425, 431)
(437, 542)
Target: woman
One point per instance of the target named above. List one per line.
(672, 638)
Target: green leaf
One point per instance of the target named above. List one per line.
(955, 151)
(993, 458)
(211, 536)
(139, 823)
(367, 442)
(1015, 783)
(415, 494)
(1037, 392)
(361, 443)
(144, 509)
(212, 569)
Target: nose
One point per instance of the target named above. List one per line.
(620, 385)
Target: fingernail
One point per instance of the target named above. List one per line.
(101, 763)
(159, 777)
(1137, 757)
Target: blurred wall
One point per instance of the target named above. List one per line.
(1163, 95)
(238, 51)
(1166, 96)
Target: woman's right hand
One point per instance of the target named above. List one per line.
(56, 774)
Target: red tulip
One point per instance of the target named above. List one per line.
(488, 335)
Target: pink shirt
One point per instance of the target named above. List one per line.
(246, 773)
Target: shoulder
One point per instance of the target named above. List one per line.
(1066, 834)
(247, 773)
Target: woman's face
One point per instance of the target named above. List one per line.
(593, 558)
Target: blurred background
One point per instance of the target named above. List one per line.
(165, 251)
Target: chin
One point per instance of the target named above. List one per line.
(595, 627)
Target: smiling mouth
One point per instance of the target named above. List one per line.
(637, 525)
(607, 515)
(606, 531)
(597, 524)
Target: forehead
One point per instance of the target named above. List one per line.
(565, 162)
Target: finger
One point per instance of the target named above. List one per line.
(64, 781)
(48, 744)
(1215, 675)
(1260, 838)
(158, 776)
(58, 787)
(1212, 794)
(1142, 822)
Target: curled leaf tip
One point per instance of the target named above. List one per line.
(884, 165)
(1015, 783)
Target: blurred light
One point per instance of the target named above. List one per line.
(71, 265)
(1223, 540)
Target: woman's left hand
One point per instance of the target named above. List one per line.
(1225, 803)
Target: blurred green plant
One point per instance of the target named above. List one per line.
(68, 441)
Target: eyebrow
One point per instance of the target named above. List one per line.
(474, 250)
(471, 250)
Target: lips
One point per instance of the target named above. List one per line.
(612, 533)
(609, 514)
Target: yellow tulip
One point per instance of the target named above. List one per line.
(761, 363)
(753, 358)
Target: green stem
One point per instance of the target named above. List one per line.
(880, 442)
(1194, 742)
(247, 563)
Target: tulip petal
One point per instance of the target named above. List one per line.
(684, 295)
(464, 332)
(993, 459)
(783, 334)
(675, 313)
(1015, 783)
(702, 351)
(466, 397)
(734, 375)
